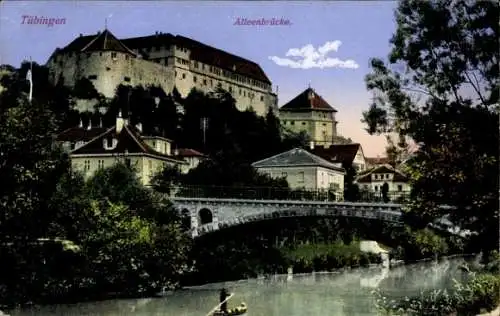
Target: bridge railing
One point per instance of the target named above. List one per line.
(272, 193)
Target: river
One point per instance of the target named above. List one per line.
(321, 294)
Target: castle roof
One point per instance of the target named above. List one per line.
(102, 41)
(295, 158)
(306, 101)
(201, 52)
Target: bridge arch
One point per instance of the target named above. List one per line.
(206, 216)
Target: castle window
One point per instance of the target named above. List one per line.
(203, 67)
(126, 57)
(204, 82)
(211, 83)
(175, 73)
(303, 123)
(126, 79)
(194, 78)
(100, 164)
(244, 93)
(292, 123)
(183, 76)
(108, 69)
(230, 89)
(86, 165)
(400, 187)
(154, 144)
(240, 91)
(195, 64)
(324, 124)
(92, 77)
(113, 55)
(100, 54)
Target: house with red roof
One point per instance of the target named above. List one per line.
(345, 154)
(309, 112)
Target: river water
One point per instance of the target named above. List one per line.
(321, 294)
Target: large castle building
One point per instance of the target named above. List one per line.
(164, 60)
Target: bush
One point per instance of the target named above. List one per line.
(479, 294)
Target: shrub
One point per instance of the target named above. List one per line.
(479, 294)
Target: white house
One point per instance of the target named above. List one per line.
(303, 170)
(91, 149)
(373, 180)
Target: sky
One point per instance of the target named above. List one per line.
(326, 45)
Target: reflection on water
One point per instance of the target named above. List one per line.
(340, 293)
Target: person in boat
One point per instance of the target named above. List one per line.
(223, 295)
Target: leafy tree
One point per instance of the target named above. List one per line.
(440, 89)
(84, 89)
(341, 140)
(29, 164)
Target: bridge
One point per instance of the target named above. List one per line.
(213, 208)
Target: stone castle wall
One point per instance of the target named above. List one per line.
(107, 70)
(168, 67)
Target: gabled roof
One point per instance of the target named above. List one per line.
(307, 101)
(377, 160)
(201, 52)
(294, 158)
(129, 141)
(75, 134)
(384, 169)
(344, 153)
(102, 41)
(188, 152)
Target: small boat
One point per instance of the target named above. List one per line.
(238, 310)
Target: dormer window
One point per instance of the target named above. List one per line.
(79, 144)
(110, 143)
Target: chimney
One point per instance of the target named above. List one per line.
(120, 122)
(311, 145)
(311, 95)
(139, 127)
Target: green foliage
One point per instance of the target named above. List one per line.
(479, 295)
(327, 257)
(441, 80)
(84, 89)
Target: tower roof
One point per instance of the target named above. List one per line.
(106, 41)
(307, 100)
(102, 41)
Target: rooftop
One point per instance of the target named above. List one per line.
(306, 101)
(344, 153)
(293, 158)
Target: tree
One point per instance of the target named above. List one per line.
(439, 89)
(29, 166)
